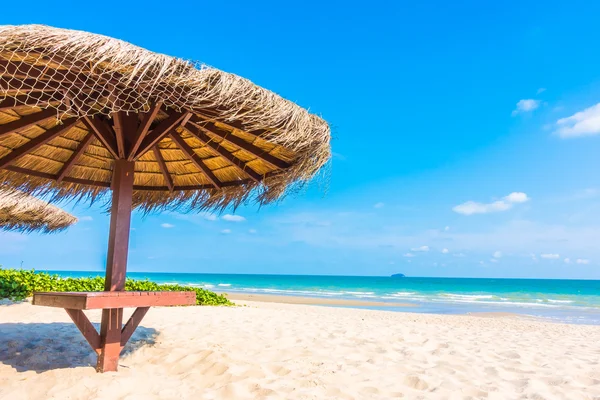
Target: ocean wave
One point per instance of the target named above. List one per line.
(400, 294)
(291, 291)
(560, 301)
(224, 284)
(359, 293)
(469, 296)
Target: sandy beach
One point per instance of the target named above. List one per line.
(288, 351)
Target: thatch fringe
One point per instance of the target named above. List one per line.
(25, 213)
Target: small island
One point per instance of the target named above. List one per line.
(398, 276)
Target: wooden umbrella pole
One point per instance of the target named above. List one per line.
(116, 264)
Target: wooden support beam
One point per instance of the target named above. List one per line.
(239, 142)
(32, 99)
(86, 328)
(110, 339)
(239, 164)
(103, 132)
(125, 125)
(144, 128)
(195, 158)
(27, 121)
(132, 324)
(162, 130)
(66, 168)
(37, 142)
(120, 219)
(163, 167)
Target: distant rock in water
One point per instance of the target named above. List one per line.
(398, 276)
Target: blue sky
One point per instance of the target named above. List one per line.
(466, 142)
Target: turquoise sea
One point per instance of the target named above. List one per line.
(572, 301)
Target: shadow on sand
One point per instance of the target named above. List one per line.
(42, 347)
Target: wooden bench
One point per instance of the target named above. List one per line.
(113, 336)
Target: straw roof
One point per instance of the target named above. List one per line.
(72, 102)
(25, 213)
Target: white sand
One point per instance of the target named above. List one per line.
(283, 351)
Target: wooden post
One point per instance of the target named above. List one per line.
(116, 264)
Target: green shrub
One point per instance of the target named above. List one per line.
(19, 284)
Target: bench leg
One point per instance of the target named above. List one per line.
(132, 324)
(85, 327)
(110, 339)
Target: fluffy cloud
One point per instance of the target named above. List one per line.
(422, 248)
(446, 229)
(497, 254)
(208, 216)
(550, 256)
(526, 105)
(445, 251)
(167, 225)
(252, 231)
(409, 255)
(507, 202)
(379, 205)
(583, 123)
(233, 218)
(582, 261)
(567, 261)
(226, 231)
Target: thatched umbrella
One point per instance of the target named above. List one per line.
(82, 113)
(24, 213)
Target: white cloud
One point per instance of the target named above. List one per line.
(447, 228)
(582, 261)
(567, 261)
(445, 251)
(422, 248)
(208, 216)
(226, 231)
(550, 256)
(497, 254)
(252, 231)
(233, 218)
(526, 105)
(86, 218)
(583, 123)
(167, 225)
(494, 260)
(409, 255)
(541, 90)
(507, 202)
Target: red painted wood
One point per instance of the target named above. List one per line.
(132, 324)
(101, 300)
(27, 121)
(110, 340)
(143, 128)
(103, 132)
(86, 328)
(120, 219)
(158, 133)
(66, 168)
(35, 143)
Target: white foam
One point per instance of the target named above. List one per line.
(468, 296)
(224, 284)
